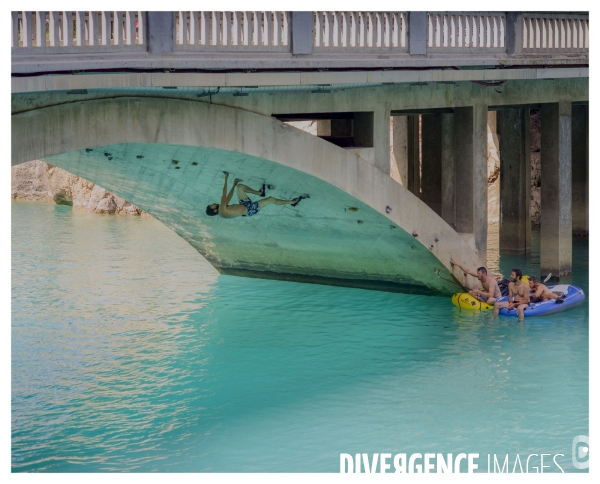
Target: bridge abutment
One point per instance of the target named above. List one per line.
(556, 199)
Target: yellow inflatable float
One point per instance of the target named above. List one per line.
(465, 301)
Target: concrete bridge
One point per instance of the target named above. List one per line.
(154, 105)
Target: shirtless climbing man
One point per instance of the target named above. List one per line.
(491, 292)
(518, 295)
(245, 207)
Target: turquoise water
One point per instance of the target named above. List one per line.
(130, 353)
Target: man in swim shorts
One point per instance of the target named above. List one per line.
(541, 292)
(518, 295)
(245, 207)
(491, 291)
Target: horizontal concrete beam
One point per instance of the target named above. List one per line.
(382, 59)
(161, 79)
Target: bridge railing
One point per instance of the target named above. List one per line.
(360, 31)
(466, 31)
(552, 33)
(66, 32)
(270, 31)
(232, 31)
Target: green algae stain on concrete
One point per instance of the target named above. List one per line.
(322, 240)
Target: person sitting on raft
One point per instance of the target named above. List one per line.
(518, 295)
(541, 292)
(491, 291)
(246, 207)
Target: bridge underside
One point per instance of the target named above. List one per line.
(332, 238)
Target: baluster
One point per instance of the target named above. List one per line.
(403, 30)
(38, 30)
(14, 29)
(130, 28)
(343, 29)
(183, 26)
(328, 29)
(115, 28)
(236, 29)
(259, 28)
(430, 36)
(79, 25)
(26, 34)
(394, 34)
(268, 35)
(251, 28)
(244, 28)
(226, 29)
(104, 28)
(355, 30)
(378, 30)
(285, 31)
(53, 37)
(141, 34)
(276, 29)
(93, 28)
(192, 27)
(362, 29)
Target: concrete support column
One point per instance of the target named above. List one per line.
(515, 180)
(400, 148)
(556, 218)
(381, 138)
(580, 171)
(448, 169)
(363, 130)
(470, 150)
(431, 161)
(412, 155)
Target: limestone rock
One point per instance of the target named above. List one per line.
(37, 180)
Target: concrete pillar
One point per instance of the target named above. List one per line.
(302, 33)
(161, 32)
(400, 148)
(448, 170)
(417, 33)
(381, 138)
(363, 130)
(580, 170)
(412, 155)
(515, 181)
(431, 161)
(470, 153)
(556, 202)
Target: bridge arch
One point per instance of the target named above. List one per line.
(167, 157)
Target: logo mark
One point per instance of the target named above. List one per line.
(580, 452)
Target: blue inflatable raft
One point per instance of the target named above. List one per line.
(573, 297)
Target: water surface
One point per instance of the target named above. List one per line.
(131, 353)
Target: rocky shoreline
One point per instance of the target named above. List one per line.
(37, 180)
